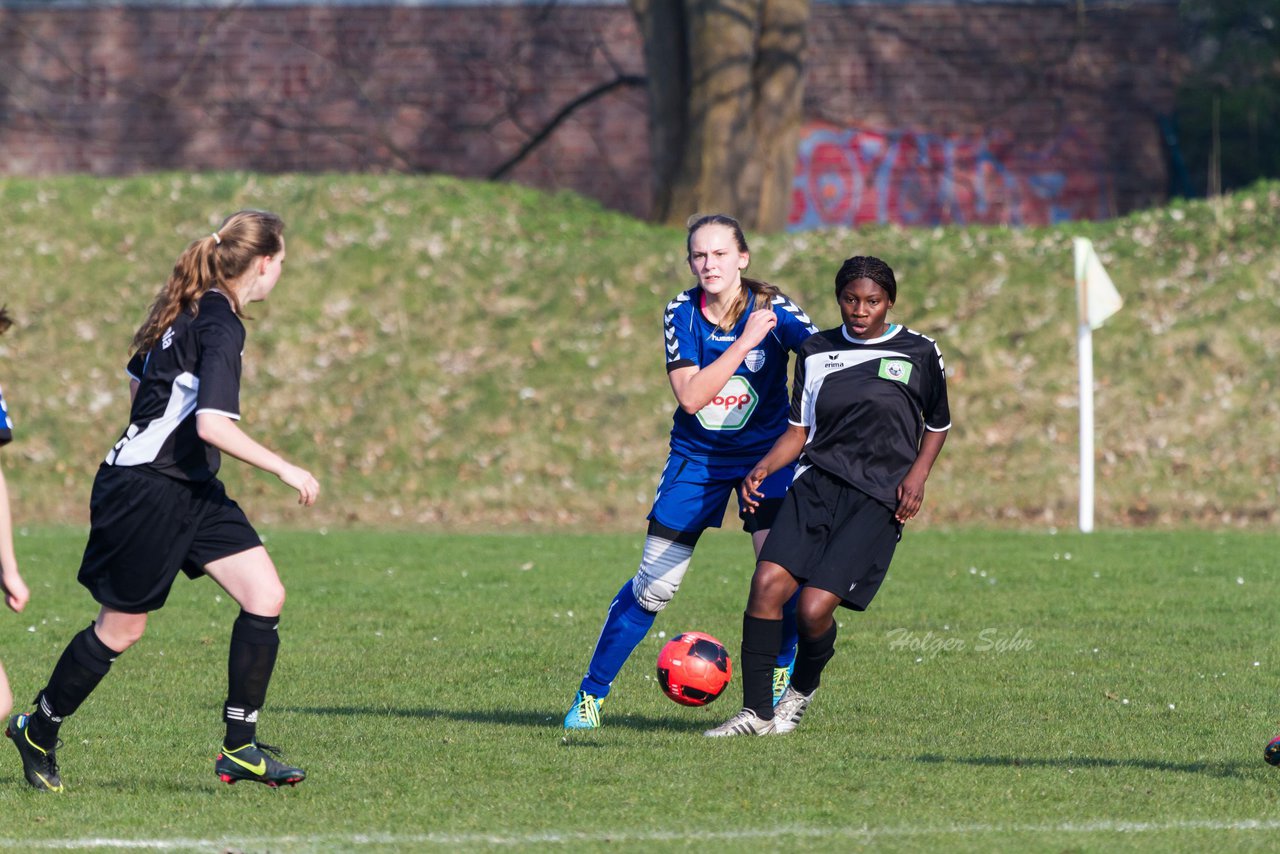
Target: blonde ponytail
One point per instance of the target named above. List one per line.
(217, 259)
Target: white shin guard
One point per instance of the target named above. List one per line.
(662, 568)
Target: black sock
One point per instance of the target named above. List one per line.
(760, 639)
(812, 656)
(254, 644)
(83, 664)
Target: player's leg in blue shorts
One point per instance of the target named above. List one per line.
(691, 497)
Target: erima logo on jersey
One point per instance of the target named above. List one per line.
(167, 339)
(754, 360)
(896, 370)
(831, 361)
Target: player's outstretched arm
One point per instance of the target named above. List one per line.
(785, 451)
(11, 584)
(225, 435)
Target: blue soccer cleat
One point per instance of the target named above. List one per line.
(585, 713)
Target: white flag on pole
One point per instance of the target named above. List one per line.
(1096, 296)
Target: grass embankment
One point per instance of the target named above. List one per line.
(474, 356)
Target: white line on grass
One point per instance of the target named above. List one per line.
(863, 834)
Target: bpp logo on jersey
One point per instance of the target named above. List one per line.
(732, 406)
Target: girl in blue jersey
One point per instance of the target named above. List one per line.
(12, 588)
(158, 509)
(728, 342)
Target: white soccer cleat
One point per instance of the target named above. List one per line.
(790, 710)
(745, 722)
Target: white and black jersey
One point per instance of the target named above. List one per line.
(193, 368)
(866, 405)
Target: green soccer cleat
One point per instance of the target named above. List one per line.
(252, 762)
(39, 765)
(585, 713)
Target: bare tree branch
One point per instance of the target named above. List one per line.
(564, 113)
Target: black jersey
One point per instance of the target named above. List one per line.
(6, 426)
(193, 368)
(866, 404)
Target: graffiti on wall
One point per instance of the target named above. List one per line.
(852, 176)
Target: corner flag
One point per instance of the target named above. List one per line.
(1096, 300)
(1096, 296)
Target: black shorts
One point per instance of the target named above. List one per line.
(145, 527)
(834, 537)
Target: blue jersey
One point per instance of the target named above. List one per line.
(6, 426)
(744, 419)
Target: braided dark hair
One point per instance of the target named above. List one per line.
(868, 267)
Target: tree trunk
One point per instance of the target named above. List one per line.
(726, 87)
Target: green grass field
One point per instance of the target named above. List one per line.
(1006, 691)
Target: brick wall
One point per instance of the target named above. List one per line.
(917, 113)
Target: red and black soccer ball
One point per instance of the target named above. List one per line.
(694, 668)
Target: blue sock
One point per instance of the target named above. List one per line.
(790, 633)
(624, 628)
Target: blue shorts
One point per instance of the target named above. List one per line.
(692, 496)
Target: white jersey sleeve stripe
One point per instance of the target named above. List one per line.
(234, 416)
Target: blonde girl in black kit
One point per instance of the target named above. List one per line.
(158, 508)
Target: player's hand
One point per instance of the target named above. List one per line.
(301, 479)
(759, 324)
(751, 488)
(15, 592)
(910, 497)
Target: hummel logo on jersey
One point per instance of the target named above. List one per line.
(167, 339)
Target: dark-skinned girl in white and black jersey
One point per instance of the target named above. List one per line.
(869, 416)
(158, 508)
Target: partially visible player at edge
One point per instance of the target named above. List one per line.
(1272, 753)
(157, 506)
(728, 343)
(11, 585)
(869, 416)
